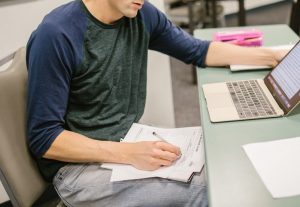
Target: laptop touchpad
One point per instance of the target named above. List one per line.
(219, 100)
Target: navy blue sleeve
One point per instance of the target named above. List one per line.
(50, 62)
(172, 40)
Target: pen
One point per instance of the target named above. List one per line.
(163, 139)
(159, 137)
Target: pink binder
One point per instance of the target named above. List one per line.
(250, 38)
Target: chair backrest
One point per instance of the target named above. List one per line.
(18, 171)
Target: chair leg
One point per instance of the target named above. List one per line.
(242, 13)
(191, 17)
(214, 13)
(191, 30)
(295, 17)
(194, 70)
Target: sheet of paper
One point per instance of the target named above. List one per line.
(188, 139)
(256, 67)
(278, 165)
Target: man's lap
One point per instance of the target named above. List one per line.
(89, 185)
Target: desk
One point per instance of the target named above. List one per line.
(232, 180)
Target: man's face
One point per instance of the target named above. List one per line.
(127, 8)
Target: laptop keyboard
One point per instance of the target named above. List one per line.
(249, 99)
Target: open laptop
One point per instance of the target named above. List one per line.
(275, 95)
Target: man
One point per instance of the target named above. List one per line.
(87, 85)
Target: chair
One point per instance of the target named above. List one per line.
(18, 171)
(295, 17)
(210, 10)
(241, 13)
(208, 18)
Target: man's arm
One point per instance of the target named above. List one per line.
(148, 155)
(171, 40)
(223, 54)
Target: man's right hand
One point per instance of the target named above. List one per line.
(151, 155)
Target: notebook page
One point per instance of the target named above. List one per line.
(278, 165)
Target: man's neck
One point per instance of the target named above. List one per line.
(103, 11)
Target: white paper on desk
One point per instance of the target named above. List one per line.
(189, 140)
(257, 67)
(278, 165)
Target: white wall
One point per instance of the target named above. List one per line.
(18, 18)
(232, 7)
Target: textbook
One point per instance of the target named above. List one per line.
(188, 139)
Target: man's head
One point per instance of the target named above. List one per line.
(109, 11)
(127, 8)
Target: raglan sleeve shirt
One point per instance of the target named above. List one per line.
(53, 55)
(169, 39)
(50, 62)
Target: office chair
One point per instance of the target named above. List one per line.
(211, 9)
(241, 12)
(18, 171)
(208, 18)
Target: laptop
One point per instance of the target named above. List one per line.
(275, 95)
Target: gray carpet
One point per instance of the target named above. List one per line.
(185, 93)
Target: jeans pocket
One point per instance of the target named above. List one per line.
(69, 174)
(93, 176)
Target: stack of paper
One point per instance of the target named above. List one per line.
(188, 139)
(278, 165)
(256, 67)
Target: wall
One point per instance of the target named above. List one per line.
(232, 7)
(18, 18)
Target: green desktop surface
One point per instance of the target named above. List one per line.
(231, 179)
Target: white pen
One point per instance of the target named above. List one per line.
(159, 137)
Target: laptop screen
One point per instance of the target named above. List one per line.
(284, 80)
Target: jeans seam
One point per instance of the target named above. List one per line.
(63, 199)
(71, 189)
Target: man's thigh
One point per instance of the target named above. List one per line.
(89, 185)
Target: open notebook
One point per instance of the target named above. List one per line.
(189, 140)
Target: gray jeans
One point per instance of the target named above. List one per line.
(89, 185)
